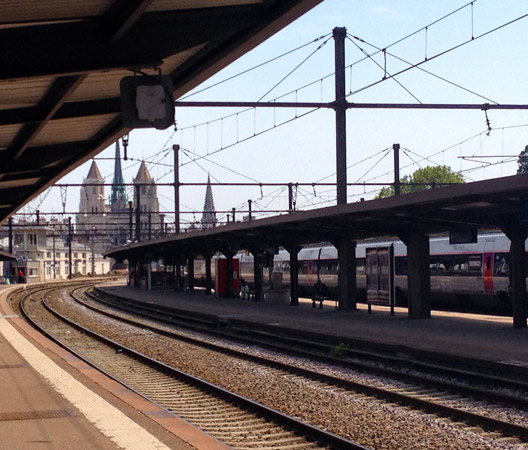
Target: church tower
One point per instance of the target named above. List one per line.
(91, 217)
(148, 201)
(92, 197)
(209, 213)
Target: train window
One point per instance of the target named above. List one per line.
(474, 263)
(488, 263)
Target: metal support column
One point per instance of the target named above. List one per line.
(397, 184)
(339, 35)
(257, 274)
(250, 202)
(190, 274)
(149, 225)
(176, 149)
(517, 236)
(10, 227)
(294, 273)
(130, 222)
(208, 277)
(70, 238)
(418, 277)
(346, 275)
(138, 213)
(290, 198)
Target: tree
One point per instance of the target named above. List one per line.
(523, 161)
(426, 178)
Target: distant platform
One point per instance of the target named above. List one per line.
(488, 338)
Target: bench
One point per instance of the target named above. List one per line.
(321, 299)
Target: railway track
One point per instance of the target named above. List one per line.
(231, 418)
(444, 398)
(397, 363)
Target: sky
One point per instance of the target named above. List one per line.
(298, 145)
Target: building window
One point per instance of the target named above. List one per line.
(19, 239)
(84, 255)
(57, 255)
(48, 255)
(33, 273)
(32, 239)
(94, 191)
(75, 255)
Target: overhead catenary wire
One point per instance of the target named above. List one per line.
(439, 54)
(422, 69)
(384, 69)
(289, 52)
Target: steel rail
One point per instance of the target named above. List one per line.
(318, 348)
(397, 397)
(304, 429)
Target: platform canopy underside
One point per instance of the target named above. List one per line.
(61, 62)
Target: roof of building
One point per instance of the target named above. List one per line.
(94, 173)
(497, 203)
(143, 173)
(209, 214)
(62, 63)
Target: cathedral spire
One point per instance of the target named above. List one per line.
(209, 213)
(118, 198)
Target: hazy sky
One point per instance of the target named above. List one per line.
(493, 67)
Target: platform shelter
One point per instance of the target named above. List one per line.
(492, 204)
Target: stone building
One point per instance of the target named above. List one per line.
(108, 224)
(42, 254)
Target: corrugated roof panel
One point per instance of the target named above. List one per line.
(106, 84)
(21, 11)
(166, 5)
(7, 134)
(18, 183)
(20, 93)
(71, 130)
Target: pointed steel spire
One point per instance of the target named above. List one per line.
(209, 213)
(118, 198)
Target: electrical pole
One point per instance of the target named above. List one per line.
(10, 224)
(176, 149)
(290, 198)
(138, 212)
(130, 222)
(93, 259)
(69, 248)
(397, 184)
(54, 258)
(149, 225)
(340, 109)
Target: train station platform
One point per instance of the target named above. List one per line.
(50, 400)
(479, 337)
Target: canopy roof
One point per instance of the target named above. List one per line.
(62, 61)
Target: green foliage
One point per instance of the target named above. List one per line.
(523, 161)
(340, 350)
(428, 178)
